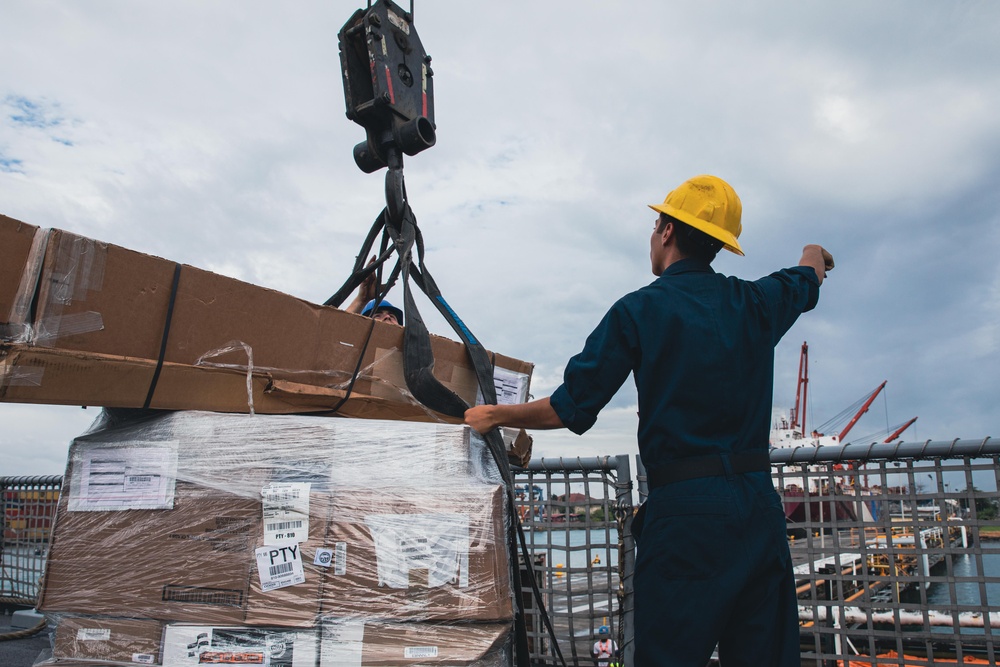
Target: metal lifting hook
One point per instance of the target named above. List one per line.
(388, 87)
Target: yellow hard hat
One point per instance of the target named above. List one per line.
(708, 204)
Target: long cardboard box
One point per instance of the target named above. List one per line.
(19, 243)
(66, 377)
(108, 306)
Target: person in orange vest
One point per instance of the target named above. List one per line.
(605, 649)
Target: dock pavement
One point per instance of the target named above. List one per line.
(20, 652)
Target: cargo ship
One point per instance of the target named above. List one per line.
(814, 496)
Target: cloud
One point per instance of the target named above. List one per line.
(214, 134)
(37, 114)
(11, 165)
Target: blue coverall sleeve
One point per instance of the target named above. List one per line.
(788, 293)
(594, 375)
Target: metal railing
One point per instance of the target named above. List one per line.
(577, 516)
(896, 550)
(28, 507)
(896, 547)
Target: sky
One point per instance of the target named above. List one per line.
(214, 134)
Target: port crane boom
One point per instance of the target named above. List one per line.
(899, 431)
(863, 410)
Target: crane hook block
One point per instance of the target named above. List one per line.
(388, 84)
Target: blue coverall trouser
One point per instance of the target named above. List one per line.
(713, 566)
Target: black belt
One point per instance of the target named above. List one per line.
(712, 465)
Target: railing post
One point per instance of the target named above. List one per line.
(626, 558)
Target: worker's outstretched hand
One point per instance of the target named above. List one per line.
(818, 258)
(827, 260)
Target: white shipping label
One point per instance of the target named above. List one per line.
(286, 512)
(335, 558)
(437, 543)
(279, 565)
(340, 559)
(140, 477)
(195, 646)
(144, 658)
(511, 387)
(324, 557)
(420, 652)
(93, 634)
(342, 643)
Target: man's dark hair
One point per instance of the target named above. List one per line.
(692, 242)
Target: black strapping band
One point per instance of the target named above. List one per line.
(166, 332)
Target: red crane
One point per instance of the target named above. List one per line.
(863, 410)
(899, 431)
(798, 416)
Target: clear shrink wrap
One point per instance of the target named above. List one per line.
(368, 542)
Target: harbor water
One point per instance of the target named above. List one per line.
(967, 589)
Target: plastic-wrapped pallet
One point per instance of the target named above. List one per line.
(324, 541)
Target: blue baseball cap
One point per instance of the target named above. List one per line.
(386, 306)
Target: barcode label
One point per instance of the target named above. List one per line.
(279, 565)
(420, 652)
(286, 512)
(279, 494)
(340, 559)
(275, 570)
(284, 525)
(144, 658)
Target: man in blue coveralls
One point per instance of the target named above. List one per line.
(712, 565)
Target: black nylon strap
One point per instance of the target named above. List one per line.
(361, 270)
(418, 366)
(713, 465)
(163, 339)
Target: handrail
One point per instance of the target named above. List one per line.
(930, 449)
(38, 480)
(583, 464)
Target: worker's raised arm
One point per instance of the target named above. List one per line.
(366, 292)
(534, 415)
(818, 258)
